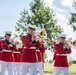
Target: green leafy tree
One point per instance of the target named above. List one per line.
(20, 28)
(72, 20)
(41, 16)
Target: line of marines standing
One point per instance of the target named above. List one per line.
(20, 60)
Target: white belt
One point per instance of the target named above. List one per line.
(61, 54)
(34, 48)
(6, 50)
(17, 52)
(38, 50)
(31, 48)
(24, 47)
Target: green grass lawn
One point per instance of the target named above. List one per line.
(48, 69)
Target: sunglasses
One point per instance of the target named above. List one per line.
(63, 37)
(8, 34)
(32, 28)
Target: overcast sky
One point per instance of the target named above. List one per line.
(10, 13)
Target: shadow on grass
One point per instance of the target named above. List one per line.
(48, 72)
(73, 73)
(52, 72)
